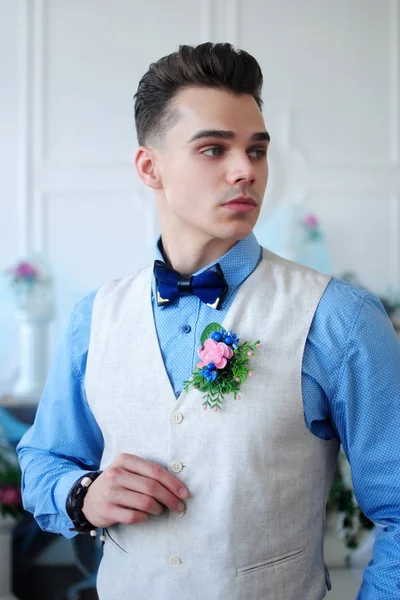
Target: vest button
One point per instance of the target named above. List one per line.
(174, 561)
(176, 417)
(176, 466)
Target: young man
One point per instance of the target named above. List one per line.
(225, 505)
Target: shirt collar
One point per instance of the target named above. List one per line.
(237, 264)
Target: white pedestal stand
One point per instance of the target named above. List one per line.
(6, 527)
(33, 358)
(34, 313)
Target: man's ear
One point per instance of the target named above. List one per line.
(145, 162)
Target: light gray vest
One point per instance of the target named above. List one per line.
(253, 526)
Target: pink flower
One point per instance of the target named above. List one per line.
(259, 345)
(238, 397)
(310, 220)
(214, 352)
(215, 409)
(9, 495)
(25, 270)
(249, 353)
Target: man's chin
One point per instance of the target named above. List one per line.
(236, 231)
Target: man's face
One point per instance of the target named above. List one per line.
(215, 153)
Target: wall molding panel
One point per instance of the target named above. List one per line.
(25, 117)
(394, 62)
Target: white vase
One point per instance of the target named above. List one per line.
(6, 527)
(34, 313)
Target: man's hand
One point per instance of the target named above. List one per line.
(131, 489)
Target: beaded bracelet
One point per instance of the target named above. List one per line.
(74, 505)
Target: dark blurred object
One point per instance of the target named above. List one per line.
(49, 582)
(52, 582)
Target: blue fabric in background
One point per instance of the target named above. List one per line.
(11, 428)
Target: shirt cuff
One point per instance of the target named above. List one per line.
(63, 487)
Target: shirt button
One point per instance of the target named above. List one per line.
(181, 514)
(176, 417)
(186, 329)
(176, 466)
(174, 561)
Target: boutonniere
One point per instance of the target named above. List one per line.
(224, 365)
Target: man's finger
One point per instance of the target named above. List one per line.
(149, 487)
(138, 465)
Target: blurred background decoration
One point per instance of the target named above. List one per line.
(390, 300)
(31, 286)
(10, 481)
(32, 290)
(10, 510)
(294, 232)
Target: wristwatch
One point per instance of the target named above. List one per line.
(74, 504)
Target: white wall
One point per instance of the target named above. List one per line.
(69, 69)
(9, 208)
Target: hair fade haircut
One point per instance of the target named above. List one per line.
(209, 65)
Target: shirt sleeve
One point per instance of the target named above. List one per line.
(65, 441)
(366, 412)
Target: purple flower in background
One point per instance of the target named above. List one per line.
(25, 271)
(9, 495)
(311, 226)
(311, 220)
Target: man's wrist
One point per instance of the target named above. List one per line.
(74, 504)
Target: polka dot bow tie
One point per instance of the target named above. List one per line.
(210, 286)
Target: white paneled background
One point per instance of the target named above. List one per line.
(68, 72)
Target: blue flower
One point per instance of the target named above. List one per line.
(209, 375)
(231, 339)
(217, 336)
(228, 337)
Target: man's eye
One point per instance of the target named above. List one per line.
(258, 153)
(214, 151)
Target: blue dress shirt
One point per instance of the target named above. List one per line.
(350, 384)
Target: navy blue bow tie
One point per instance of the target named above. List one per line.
(210, 286)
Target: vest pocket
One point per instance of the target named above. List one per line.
(272, 562)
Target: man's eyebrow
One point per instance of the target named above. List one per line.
(262, 136)
(221, 134)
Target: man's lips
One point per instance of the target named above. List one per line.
(241, 204)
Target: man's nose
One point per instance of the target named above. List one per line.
(241, 169)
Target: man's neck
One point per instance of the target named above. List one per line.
(187, 257)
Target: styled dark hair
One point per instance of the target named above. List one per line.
(210, 65)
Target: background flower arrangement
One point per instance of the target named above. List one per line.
(10, 482)
(30, 283)
(311, 227)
